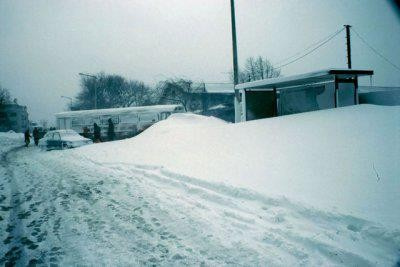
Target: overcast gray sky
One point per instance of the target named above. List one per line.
(44, 44)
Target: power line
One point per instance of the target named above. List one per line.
(307, 48)
(374, 50)
(312, 50)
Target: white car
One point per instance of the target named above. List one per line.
(62, 139)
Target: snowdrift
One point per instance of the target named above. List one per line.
(10, 139)
(340, 160)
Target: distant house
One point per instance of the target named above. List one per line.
(13, 117)
(295, 94)
(210, 99)
(217, 101)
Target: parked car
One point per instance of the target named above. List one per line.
(62, 139)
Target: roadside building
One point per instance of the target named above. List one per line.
(295, 94)
(13, 117)
(128, 121)
(217, 101)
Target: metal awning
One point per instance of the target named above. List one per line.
(302, 79)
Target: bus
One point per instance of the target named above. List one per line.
(128, 122)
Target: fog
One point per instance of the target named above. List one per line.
(45, 44)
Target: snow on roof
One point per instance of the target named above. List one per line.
(111, 111)
(311, 77)
(224, 88)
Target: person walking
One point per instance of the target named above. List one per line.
(35, 134)
(110, 132)
(86, 132)
(96, 133)
(27, 136)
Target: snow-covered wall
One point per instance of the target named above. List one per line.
(388, 96)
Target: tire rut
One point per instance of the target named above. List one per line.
(15, 229)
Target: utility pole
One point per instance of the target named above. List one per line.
(235, 61)
(348, 44)
(95, 88)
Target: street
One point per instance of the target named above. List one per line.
(60, 209)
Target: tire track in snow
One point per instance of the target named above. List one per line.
(16, 252)
(100, 219)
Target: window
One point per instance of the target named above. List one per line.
(165, 115)
(148, 117)
(49, 136)
(129, 118)
(57, 136)
(76, 122)
(13, 114)
(104, 119)
(92, 120)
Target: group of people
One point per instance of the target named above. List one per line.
(97, 132)
(36, 136)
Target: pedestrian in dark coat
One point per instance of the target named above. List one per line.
(86, 132)
(96, 133)
(110, 133)
(36, 136)
(27, 137)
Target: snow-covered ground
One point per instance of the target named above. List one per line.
(10, 140)
(318, 188)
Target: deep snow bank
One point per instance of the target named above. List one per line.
(343, 159)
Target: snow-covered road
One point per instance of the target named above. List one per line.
(57, 207)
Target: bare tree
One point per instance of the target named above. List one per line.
(112, 91)
(257, 69)
(5, 97)
(180, 91)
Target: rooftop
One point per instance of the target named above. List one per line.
(112, 111)
(221, 88)
(312, 77)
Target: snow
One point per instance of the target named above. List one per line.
(118, 111)
(220, 106)
(9, 140)
(318, 188)
(343, 159)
